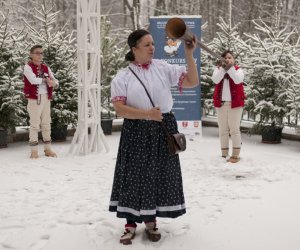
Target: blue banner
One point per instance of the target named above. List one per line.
(187, 105)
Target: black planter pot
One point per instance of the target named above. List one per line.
(271, 134)
(106, 125)
(3, 138)
(59, 134)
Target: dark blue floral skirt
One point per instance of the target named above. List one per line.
(147, 180)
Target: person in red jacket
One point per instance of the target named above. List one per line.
(39, 82)
(229, 99)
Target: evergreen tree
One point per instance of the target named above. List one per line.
(207, 85)
(293, 104)
(60, 55)
(113, 52)
(226, 39)
(293, 92)
(273, 68)
(10, 94)
(293, 96)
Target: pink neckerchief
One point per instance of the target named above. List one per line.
(143, 66)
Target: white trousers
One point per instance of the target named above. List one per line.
(229, 120)
(40, 118)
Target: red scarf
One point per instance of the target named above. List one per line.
(143, 66)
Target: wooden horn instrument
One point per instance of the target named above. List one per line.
(176, 28)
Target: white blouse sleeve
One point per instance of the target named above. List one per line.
(119, 89)
(218, 75)
(236, 75)
(175, 74)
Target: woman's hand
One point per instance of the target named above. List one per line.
(190, 46)
(155, 114)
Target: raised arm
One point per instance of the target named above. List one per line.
(218, 75)
(191, 80)
(236, 75)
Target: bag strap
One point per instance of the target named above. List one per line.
(143, 86)
(162, 124)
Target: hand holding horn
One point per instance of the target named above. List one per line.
(176, 28)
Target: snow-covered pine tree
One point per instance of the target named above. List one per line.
(227, 38)
(293, 93)
(11, 109)
(273, 68)
(293, 100)
(113, 50)
(207, 85)
(60, 55)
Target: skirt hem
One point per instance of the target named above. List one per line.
(141, 218)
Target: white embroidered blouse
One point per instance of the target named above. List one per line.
(158, 79)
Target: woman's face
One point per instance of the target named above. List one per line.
(229, 59)
(144, 50)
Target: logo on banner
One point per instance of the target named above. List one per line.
(185, 124)
(172, 46)
(196, 124)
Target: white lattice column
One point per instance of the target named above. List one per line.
(89, 136)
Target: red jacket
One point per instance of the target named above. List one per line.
(236, 91)
(31, 90)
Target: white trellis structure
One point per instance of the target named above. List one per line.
(89, 136)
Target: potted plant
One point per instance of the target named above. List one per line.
(64, 104)
(269, 105)
(107, 121)
(270, 65)
(61, 118)
(293, 99)
(271, 134)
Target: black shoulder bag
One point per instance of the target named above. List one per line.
(176, 142)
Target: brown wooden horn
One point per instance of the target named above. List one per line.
(176, 28)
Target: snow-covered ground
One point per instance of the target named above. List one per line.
(62, 203)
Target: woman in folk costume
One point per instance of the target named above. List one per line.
(229, 99)
(147, 180)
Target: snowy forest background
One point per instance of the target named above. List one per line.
(264, 35)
